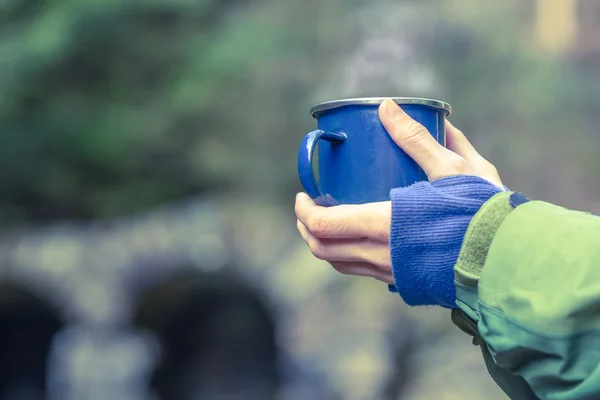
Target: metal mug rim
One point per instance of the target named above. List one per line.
(333, 104)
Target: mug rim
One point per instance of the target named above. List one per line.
(332, 104)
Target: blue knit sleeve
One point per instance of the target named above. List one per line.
(429, 221)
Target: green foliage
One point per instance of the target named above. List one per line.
(107, 107)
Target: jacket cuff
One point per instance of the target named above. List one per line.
(480, 233)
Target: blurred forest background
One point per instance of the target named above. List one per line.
(111, 108)
(108, 107)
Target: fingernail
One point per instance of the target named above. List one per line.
(392, 109)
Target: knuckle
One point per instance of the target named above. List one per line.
(338, 267)
(483, 166)
(415, 133)
(380, 232)
(383, 262)
(343, 271)
(382, 212)
(317, 249)
(342, 267)
(318, 225)
(490, 168)
(457, 166)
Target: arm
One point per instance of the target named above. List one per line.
(528, 276)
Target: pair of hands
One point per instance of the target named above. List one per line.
(354, 239)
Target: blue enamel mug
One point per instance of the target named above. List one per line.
(357, 161)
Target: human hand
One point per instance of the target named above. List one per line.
(459, 157)
(354, 239)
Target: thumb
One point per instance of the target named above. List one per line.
(419, 144)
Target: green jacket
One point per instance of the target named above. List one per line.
(528, 287)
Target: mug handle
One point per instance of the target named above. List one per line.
(305, 162)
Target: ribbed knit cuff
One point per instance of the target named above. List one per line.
(429, 221)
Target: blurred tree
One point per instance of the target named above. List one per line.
(107, 107)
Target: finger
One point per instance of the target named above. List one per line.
(457, 142)
(363, 269)
(348, 250)
(419, 144)
(371, 220)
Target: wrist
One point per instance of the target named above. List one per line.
(429, 221)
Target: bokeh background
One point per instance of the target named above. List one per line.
(147, 178)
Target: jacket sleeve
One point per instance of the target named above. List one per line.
(528, 287)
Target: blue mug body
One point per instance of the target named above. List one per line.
(358, 162)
